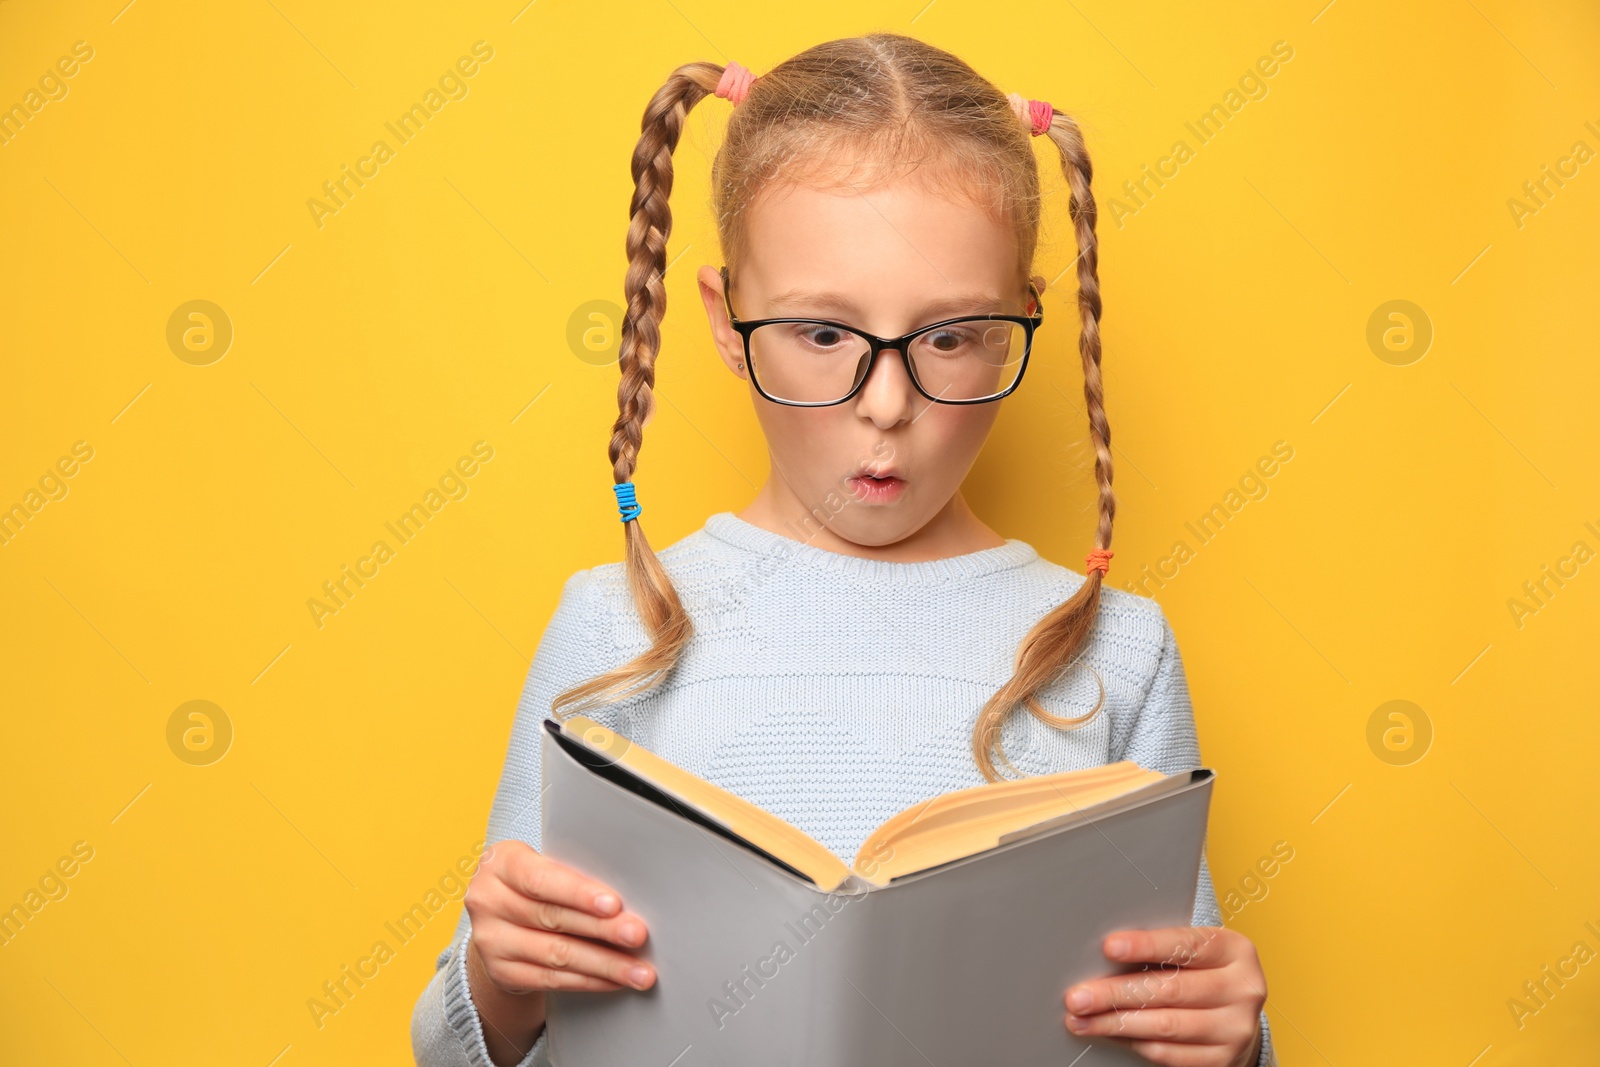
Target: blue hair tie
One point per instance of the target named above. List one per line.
(625, 501)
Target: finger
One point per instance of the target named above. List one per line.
(1160, 988)
(626, 929)
(1173, 946)
(520, 977)
(1182, 1025)
(541, 878)
(559, 952)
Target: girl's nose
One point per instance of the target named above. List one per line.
(888, 397)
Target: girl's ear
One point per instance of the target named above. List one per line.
(1038, 284)
(730, 346)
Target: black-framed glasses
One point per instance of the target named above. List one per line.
(813, 363)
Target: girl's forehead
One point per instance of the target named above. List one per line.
(894, 236)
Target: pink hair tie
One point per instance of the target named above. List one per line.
(735, 83)
(1037, 114)
(1042, 113)
(1098, 559)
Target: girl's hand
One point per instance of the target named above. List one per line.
(537, 926)
(1199, 1005)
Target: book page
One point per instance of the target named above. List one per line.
(963, 823)
(756, 825)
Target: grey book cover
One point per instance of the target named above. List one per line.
(966, 962)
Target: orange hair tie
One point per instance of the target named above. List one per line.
(1099, 560)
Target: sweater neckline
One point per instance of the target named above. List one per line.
(727, 527)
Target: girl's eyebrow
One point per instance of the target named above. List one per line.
(806, 300)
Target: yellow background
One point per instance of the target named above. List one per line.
(428, 313)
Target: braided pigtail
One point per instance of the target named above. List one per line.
(650, 223)
(1049, 648)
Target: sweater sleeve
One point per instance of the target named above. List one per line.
(446, 1030)
(1162, 737)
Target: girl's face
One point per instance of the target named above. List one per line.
(886, 261)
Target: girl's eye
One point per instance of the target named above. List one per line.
(950, 341)
(821, 336)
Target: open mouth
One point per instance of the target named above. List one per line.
(871, 488)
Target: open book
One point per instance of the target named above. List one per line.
(949, 939)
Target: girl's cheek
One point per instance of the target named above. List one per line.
(951, 432)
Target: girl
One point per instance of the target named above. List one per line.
(856, 639)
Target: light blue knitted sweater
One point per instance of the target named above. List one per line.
(833, 691)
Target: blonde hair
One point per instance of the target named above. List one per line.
(888, 100)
